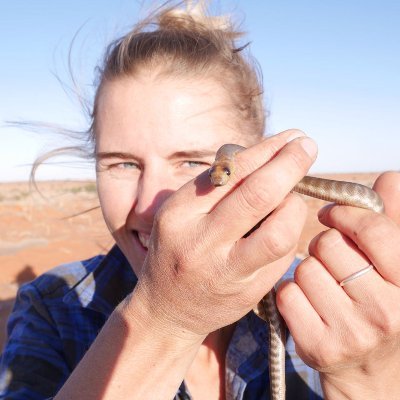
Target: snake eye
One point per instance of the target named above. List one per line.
(227, 171)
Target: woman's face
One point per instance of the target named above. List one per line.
(152, 136)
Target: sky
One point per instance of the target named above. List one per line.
(330, 68)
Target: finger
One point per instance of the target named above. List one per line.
(247, 161)
(300, 316)
(376, 235)
(374, 299)
(264, 189)
(254, 157)
(321, 289)
(388, 186)
(342, 258)
(203, 196)
(277, 236)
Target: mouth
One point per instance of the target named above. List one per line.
(143, 238)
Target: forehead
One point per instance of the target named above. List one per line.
(164, 110)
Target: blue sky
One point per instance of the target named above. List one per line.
(331, 68)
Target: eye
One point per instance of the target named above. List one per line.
(126, 165)
(195, 164)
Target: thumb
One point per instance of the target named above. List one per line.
(388, 187)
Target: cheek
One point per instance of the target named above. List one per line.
(116, 201)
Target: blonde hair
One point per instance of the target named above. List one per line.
(184, 41)
(189, 43)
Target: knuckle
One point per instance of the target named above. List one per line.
(245, 167)
(360, 344)
(325, 241)
(357, 338)
(344, 350)
(276, 243)
(328, 358)
(285, 233)
(254, 199)
(387, 318)
(298, 159)
(305, 269)
(389, 324)
(324, 354)
(373, 228)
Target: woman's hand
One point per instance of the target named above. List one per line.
(351, 334)
(200, 274)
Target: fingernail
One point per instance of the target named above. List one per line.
(294, 135)
(309, 146)
(324, 210)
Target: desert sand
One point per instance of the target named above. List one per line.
(63, 223)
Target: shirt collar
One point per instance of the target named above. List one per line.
(105, 285)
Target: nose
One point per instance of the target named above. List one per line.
(153, 189)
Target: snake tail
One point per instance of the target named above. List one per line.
(277, 341)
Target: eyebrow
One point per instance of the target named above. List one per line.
(178, 154)
(192, 154)
(113, 154)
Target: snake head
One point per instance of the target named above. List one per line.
(219, 175)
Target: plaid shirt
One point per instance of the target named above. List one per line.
(57, 317)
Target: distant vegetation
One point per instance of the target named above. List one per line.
(88, 188)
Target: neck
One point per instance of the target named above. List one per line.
(208, 368)
(217, 342)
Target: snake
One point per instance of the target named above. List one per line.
(339, 192)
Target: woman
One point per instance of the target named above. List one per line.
(170, 302)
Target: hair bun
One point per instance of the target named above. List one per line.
(193, 17)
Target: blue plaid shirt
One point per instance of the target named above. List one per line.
(57, 317)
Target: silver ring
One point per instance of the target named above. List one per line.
(356, 275)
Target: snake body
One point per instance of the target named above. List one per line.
(340, 192)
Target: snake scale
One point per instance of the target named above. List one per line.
(340, 192)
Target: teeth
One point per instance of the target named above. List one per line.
(144, 239)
